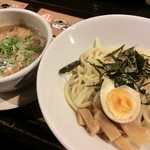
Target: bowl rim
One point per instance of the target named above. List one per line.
(39, 94)
(27, 69)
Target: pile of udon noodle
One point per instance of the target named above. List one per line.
(85, 100)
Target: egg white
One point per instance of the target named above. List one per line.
(107, 86)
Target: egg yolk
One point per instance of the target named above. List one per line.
(121, 104)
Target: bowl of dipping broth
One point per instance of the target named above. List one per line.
(24, 37)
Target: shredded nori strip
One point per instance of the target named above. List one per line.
(128, 68)
(69, 67)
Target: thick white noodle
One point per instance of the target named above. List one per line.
(77, 90)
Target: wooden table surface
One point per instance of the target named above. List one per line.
(25, 126)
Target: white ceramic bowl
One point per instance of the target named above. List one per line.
(20, 16)
(113, 31)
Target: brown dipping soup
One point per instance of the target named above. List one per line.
(20, 45)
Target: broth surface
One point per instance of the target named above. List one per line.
(19, 46)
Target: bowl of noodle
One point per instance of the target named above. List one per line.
(93, 84)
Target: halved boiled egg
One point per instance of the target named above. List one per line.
(120, 104)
